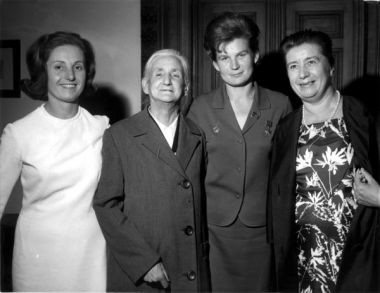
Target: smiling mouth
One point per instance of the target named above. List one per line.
(68, 85)
(306, 84)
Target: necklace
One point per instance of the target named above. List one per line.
(331, 116)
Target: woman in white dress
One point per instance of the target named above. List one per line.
(56, 149)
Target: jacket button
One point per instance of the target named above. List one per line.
(186, 184)
(237, 195)
(189, 230)
(191, 275)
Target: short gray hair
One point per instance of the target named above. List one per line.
(171, 53)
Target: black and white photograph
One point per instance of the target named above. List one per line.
(214, 146)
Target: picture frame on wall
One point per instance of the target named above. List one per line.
(9, 68)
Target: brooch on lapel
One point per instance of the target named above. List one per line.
(216, 129)
(268, 127)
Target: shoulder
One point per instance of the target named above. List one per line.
(100, 121)
(205, 99)
(288, 121)
(128, 125)
(193, 127)
(353, 104)
(275, 98)
(29, 119)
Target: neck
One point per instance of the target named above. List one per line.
(62, 110)
(166, 115)
(323, 110)
(240, 92)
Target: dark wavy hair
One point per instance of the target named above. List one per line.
(309, 36)
(227, 27)
(38, 55)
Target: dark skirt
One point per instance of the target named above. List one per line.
(240, 258)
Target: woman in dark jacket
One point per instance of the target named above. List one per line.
(325, 233)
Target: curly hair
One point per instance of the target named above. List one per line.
(38, 54)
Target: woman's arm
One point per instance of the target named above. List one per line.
(10, 165)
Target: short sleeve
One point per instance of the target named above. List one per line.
(10, 164)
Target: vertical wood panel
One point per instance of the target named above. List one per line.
(353, 25)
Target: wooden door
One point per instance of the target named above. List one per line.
(180, 24)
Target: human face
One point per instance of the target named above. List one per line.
(309, 72)
(66, 74)
(235, 61)
(166, 81)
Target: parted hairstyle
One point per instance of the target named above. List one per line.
(228, 26)
(309, 36)
(169, 53)
(38, 55)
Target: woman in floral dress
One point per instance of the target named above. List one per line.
(326, 237)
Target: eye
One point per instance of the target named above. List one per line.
(243, 54)
(292, 67)
(312, 62)
(58, 67)
(177, 75)
(79, 67)
(222, 58)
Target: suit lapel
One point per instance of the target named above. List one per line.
(188, 140)
(287, 147)
(223, 110)
(151, 137)
(260, 102)
(285, 168)
(357, 126)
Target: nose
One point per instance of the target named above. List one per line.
(167, 79)
(70, 74)
(234, 64)
(304, 72)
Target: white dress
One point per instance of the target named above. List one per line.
(58, 242)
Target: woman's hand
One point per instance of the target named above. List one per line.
(366, 189)
(157, 274)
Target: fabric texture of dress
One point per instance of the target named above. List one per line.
(58, 242)
(325, 204)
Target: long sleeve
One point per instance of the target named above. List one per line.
(10, 165)
(127, 245)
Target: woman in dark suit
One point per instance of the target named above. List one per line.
(239, 120)
(150, 202)
(326, 236)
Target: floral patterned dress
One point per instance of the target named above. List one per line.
(324, 202)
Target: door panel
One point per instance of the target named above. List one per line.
(353, 26)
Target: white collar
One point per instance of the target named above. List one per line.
(167, 131)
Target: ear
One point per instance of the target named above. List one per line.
(256, 57)
(185, 91)
(332, 70)
(216, 66)
(145, 86)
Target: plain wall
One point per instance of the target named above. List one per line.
(113, 28)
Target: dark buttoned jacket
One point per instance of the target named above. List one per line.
(238, 159)
(150, 205)
(360, 268)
